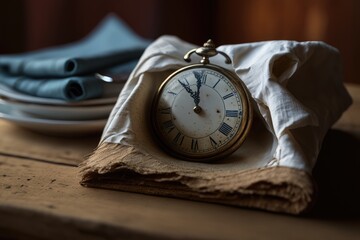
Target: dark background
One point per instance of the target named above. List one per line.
(33, 24)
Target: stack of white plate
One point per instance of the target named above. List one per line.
(57, 117)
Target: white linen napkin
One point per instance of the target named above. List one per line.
(298, 93)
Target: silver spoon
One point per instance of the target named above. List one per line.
(112, 78)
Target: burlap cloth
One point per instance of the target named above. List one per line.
(298, 94)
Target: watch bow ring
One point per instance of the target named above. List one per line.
(202, 112)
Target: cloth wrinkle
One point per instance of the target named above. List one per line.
(272, 170)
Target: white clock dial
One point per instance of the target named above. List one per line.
(199, 113)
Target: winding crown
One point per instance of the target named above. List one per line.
(207, 51)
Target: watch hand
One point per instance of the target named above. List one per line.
(195, 95)
(198, 77)
(188, 89)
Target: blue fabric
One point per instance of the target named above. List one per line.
(44, 72)
(71, 88)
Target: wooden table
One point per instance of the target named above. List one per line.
(40, 196)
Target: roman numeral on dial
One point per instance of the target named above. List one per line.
(194, 145)
(232, 113)
(213, 142)
(225, 129)
(168, 126)
(165, 111)
(228, 96)
(179, 138)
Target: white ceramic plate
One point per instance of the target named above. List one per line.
(52, 127)
(59, 112)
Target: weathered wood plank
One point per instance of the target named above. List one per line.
(24, 143)
(44, 200)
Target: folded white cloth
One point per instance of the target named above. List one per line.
(297, 87)
(298, 94)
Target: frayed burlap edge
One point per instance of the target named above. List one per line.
(119, 167)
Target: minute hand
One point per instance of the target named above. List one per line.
(198, 77)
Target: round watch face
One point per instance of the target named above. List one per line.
(201, 113)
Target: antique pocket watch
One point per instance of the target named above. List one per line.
(202, 112)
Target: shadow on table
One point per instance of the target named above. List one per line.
(337, 174)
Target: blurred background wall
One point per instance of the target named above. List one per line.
(33, 24)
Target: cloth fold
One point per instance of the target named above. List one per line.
(110, 44)
(70, 88)
(298, 94)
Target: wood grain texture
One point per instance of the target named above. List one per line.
(45, 200)
(21, 142)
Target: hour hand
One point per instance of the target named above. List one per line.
(194, 95)
(187, 88)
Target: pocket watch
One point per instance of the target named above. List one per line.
(202, 112)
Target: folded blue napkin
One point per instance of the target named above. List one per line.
(49, 72)
(70, 88)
